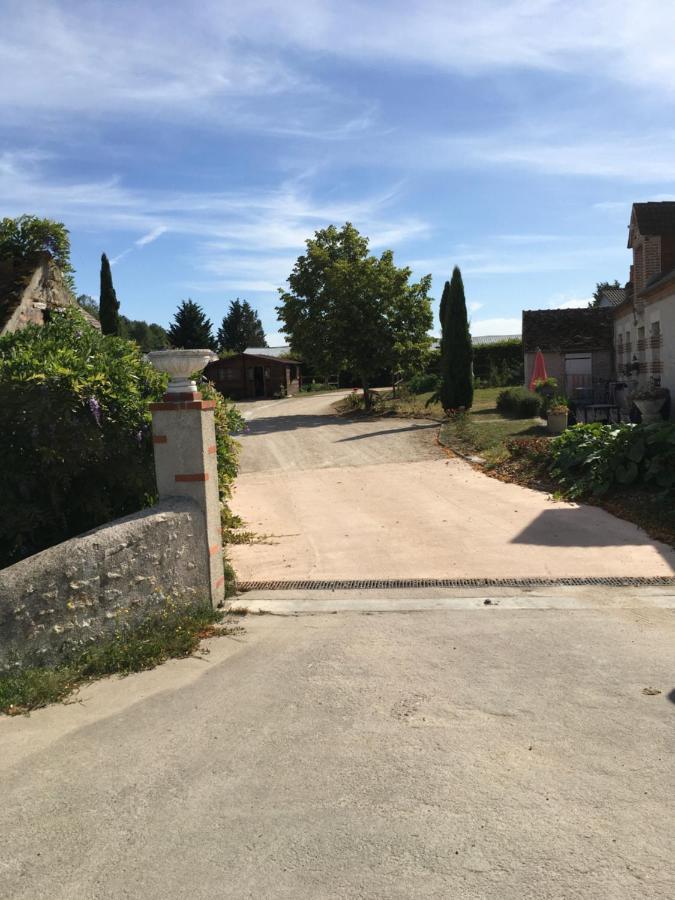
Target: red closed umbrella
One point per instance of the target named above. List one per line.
(539, 370)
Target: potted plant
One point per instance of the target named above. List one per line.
(650, 402)
(557, 414)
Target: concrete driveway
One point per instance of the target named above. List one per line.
(358, 499)
(485, 753)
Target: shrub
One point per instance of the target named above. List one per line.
(75, 443)
(228, 421)
(592, 458)
(519, 402)
(423, 383)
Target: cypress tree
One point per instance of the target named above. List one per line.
(443, 308)
(457, 377)
(191, 330)
(108, 305)
(241, 328)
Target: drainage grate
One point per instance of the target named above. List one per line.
(403, 583)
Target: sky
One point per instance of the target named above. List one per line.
(200, 145)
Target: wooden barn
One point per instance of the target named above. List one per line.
(248, 376)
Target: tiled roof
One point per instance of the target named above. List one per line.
(655, 218)
(267, 351)
(567, 329)
(614, 296)
(482, 339)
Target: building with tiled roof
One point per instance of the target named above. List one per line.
(644, 323)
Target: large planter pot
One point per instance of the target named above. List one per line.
(180, 365)
(557, 422)
(650, 410)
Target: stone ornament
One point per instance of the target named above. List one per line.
(180, 365)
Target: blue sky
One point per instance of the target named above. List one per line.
(200, 145)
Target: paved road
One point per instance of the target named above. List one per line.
(489, 754)
(341, 498)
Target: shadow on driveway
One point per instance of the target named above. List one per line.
(574, 528)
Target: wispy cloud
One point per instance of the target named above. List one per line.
(151, 236)
(246, 240)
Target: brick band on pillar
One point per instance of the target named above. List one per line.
(184, 439)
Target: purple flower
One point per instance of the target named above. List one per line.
(95, 409)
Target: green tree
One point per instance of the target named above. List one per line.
(457, 378)
(190, 329)
(23, 238)
(348, 310)
(108, 304)
(240, 328)
(88, 304)
(600, 287)
(148, 336)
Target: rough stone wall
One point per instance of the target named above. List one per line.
(44, 291)
(87, 587)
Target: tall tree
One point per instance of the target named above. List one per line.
(190, 329)
(241, 328)
(349, 310)
(456, 390)
(108, 305)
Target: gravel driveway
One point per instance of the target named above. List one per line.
(344, 498)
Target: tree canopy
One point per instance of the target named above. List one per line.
(191, 330)
(240, 328)
(347, 309)
(26, 236)
(148, 335)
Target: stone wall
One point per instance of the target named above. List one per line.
(87, 587)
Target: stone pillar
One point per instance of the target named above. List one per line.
(184, 438)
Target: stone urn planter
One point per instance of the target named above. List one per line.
(650, 403)
(557, 419)
(180, 365)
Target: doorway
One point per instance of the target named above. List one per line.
(259, 381)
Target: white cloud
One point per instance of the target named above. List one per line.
(244, 240)
(572, 303)
(474, 306)
(236, 65)
(496, 326)
(151, 236)
(276, 339)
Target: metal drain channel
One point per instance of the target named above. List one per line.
(406, 583)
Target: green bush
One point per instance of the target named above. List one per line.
(519, 403)
(228, 421)
(423, 383)
(75, 433)
(590, 459)
(75, 442)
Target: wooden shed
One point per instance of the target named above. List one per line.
(248, 376)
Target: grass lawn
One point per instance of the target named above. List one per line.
(485, 431)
